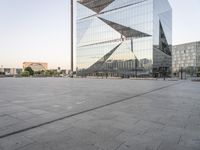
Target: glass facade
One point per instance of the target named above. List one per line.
(162, 38)
(186, 58)
(123, 38)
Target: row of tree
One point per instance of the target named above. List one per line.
(189, 71)
(43, 73)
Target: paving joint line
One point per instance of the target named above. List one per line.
(84, 111)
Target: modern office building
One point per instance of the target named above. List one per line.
(36, 66)
(186, 59)
(123, 37)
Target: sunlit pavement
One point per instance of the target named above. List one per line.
(99, 114)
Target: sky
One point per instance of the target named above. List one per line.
(39, 30)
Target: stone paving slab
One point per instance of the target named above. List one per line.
(164, 119)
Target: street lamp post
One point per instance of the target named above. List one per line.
(185, 63)
(181, 73)
(72, 37)
(136, 60)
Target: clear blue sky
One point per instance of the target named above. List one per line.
(39, 30)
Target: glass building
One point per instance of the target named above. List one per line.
(123, 38)
(186, 59)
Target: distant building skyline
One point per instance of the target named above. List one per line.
(39, 30)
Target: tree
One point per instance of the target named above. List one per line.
(30, 70)
(25, 74)
(48, 73)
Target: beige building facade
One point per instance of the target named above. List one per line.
(36, 66)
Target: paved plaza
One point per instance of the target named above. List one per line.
(99, 114)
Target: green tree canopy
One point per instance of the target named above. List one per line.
(30, 70)
(25, 74)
